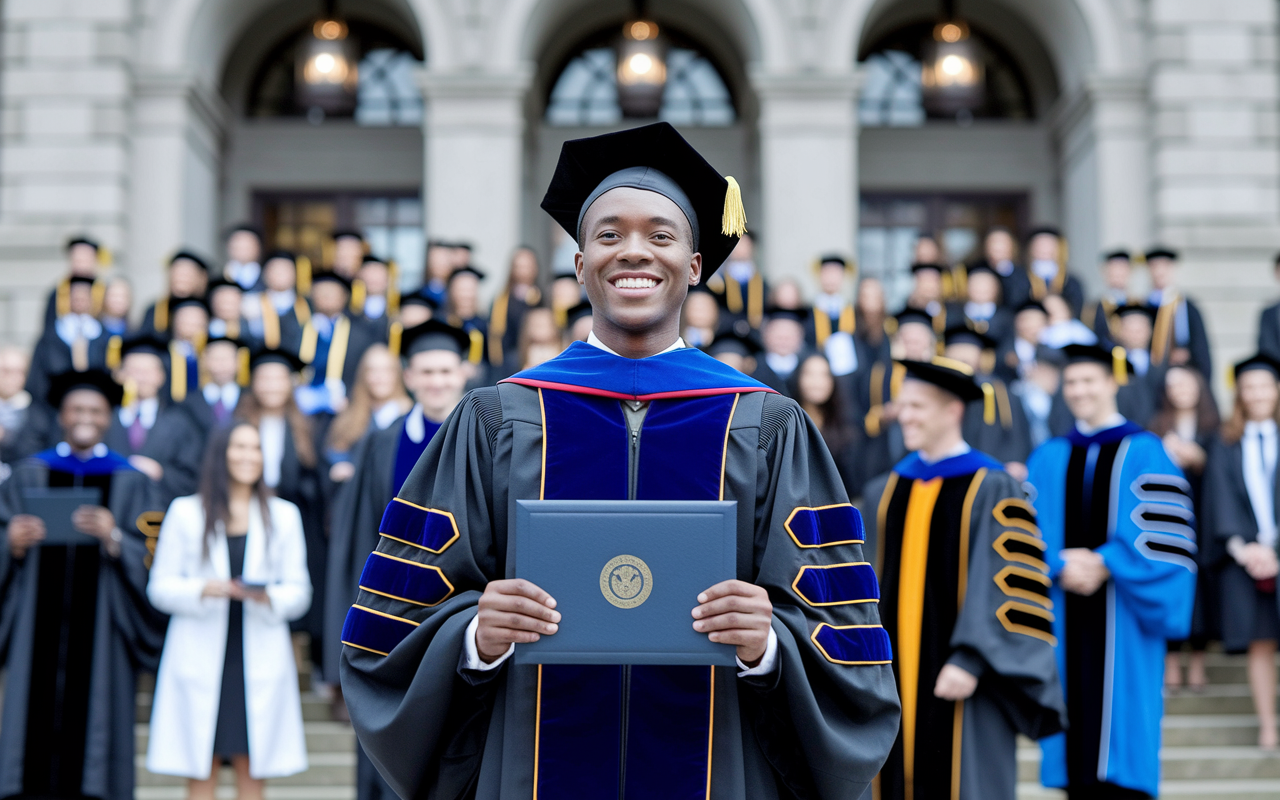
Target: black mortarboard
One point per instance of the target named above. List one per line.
(1114, 358)
(1030, 305)
(370, 258)
(333, 277)
(655, 158)
(347, 233)
(947, 374)
(1257, 361)
(144, 343)
(800, 315)
(736, 343)
(911, 314)
(75, 240)
(920, 267)
(1116, 255)
(418, 299)
(1043, 229)
(962, 334)
(435, 335)
(287, 255)
(467, 269)
(576, 313)
(979, 267)
(227, 339)
(1160, 251)
(222, 283)
(833, 258)
(189, 255)
(1135, 308)
(273, 356)
(74, 279)
(1051, 356)
(176, 303)
(93, 379)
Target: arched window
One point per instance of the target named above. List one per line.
(586, 92)
(891, 93)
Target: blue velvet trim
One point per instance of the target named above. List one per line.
(370, 631)
(842, 583)
(424, 585)
(678, 371)
(97, 465)
(320, 362)
(670, 722)
(822, 527)
(1106, 436)
(854, 645)
(587, 446)
(914, 468)
(427, 528)
(578, 745)
(408, 452)
(690, 433)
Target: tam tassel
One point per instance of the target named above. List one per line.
(734, 222)
(988, 404)
(303, 282)
(1118, 365)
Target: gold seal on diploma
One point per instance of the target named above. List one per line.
(626, 581)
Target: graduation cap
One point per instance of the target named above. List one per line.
(176, 303)
(276, 356)
(1256, 362)
(222, 283)
(962, 334)
(1116, 255)
(744, 345)
(1051, 356)
(800, 315)
(1031, 305)
(1129, 309)
(1114, 358)
(1160, 251)
(287, 255)
(912, 314)
(144, 343)
(93, 379)
(75, 240)
(834, 258)
(419, 299)
(654, 158)
(81, 279)
(466, 269)
(332, 277)
(370, 258)
(947, 374)
(189, 255)
(435, 335)
(920, 266)
(979, 267)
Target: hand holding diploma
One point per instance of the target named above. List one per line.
(736, 613)
(513, 611)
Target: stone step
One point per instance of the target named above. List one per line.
(322, 737)
(275, 791)
(314, 708)
(1213, 763)
(1215, 699)
(1184, 790)
(1199, 730)
(325, 770)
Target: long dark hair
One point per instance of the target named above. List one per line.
(215, 483)
(1207, 420)
(836, 428)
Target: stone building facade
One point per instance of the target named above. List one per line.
(152, 124)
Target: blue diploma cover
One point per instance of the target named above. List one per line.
(626, 575)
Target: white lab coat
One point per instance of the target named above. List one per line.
(184, 714)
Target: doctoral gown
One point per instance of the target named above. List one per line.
(1117, 493)
(963, 582)
(819, 725)
(67, 725)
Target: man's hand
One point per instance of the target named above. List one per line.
(1083, 571)
(954, 683)
(512, 611)
(342, 472)
(1259, 561)
(737, 613)
(147, 466)
(95, 521)
(25, 531)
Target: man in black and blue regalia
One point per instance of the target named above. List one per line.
(76, 625)
(809, 711)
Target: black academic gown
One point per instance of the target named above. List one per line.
(359, 339)
(1065, 284)
(1195, 340)
(174, 441)
(1015, 288)
(67, 725)
(1206, 616)
(1269, 331)
(52, 356)
(977, 558)
(998, 426)
(878, 387)
(819, 726)
(201, 412)
(740, 301)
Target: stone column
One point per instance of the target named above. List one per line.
(474, 166)
(808, 166)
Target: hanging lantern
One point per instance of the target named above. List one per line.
(951, 73)
(327, 68)
(642, 69)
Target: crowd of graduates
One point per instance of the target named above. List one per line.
(285, 402)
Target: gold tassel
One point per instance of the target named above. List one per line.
(161, 318)
(358, 293)
(393, 338)
(1118, 365)
(303, 281)
(1231, 379)
(130, 393)
(734, 221)
(104, 257)
(242, 366)
(393, 288)
(63, 302)
(113, 352)
(988, 404)
(177, 373)
(477, 347)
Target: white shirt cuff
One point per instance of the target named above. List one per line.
(767, 662)
(472, 653)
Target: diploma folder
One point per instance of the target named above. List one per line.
(626, 575)
(55, 506)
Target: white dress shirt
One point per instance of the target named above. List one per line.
(1110, 422)
(69, 327)
(244, 274)
(272, 430)
(282, 301)
(782, 364)
(1258, 450)
(981, 311)
(959, 450)
(229, 394)
(375, 305)
(144, 410)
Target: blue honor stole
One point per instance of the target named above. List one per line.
(408, 452)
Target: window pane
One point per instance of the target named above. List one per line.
(388, 92)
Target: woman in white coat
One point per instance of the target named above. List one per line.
(231, 568)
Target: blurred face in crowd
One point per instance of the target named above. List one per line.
(436, 378)
(85, 416)
(983, 287)
(221, 361)
(916, 342)
(280, 275)
(637, 261)
(580, 330)
(744, 364)
(1117, 272)
(966, 353)
(80, 298)
(1183, 389)
(745, 250)
(225, 303)
(701, 311)
(782, 336)
(244, 455)
(926, 413)
(464, 295)
(459, 257)
(244, 247)
(439, 262)
(999, 247)
(1043, 247)
(190, 323)
(13, 371)
(272, 386)
(381, 373)
(1161, 270)
(524, 268)
(871, 296)
(329, 297)
(146, 370)
(82, 260)
(348, 251)
(1090, 391)
(1135, 331)
(118, 299)
(376, 277)
(1029, 324)
(815, 383)
(413, 315)
(565, 293)
(1059, 310)
(186, 279)
(831, 277)
(786, 294)
(927, 287)
(540, 326)
(928, 251)
(1259, 394)
(1046, 376)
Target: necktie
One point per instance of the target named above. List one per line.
(220, 411)
(137, 433)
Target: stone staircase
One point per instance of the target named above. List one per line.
(1209, 751)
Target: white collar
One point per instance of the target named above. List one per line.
(960, 449)
(1266, 427)
(414, 424)
(594, 341)
(19, 401)
(63, 449)
(1110, 422)
(386, 414)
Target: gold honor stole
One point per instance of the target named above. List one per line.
(822, 324)
(335, 356)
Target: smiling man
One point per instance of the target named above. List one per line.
(810, 710)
